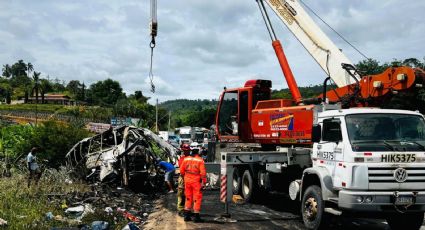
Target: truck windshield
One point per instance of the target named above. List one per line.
(199, 135)
(386, 132)
(186, 136)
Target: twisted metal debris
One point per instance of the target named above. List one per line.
(125, 154)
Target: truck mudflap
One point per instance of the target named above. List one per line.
(372, 201)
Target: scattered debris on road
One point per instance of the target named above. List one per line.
(103, 203)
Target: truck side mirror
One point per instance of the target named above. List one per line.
(316, 134)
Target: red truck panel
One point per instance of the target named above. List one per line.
(287, 125)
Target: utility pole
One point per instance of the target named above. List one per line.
(156, 117)
(36, 113)
(169, 120)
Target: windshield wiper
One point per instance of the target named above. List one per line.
(416, 143)
(388, 145)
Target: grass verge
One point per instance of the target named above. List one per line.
(26, 208)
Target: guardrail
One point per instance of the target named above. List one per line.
(32, 116)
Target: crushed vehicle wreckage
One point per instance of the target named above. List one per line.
(124, 155)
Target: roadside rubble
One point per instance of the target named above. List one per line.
(124, 156)
(118, 164)
(103, 207)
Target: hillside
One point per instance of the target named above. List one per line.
(202, 112)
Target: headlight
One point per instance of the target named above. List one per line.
(368, 199)
(359, 199)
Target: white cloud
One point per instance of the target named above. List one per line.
(202, 46)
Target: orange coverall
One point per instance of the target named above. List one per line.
(195, 176)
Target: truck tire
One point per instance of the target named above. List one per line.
(312, 208)
(247, 186)
(405, 221)
(236, 183)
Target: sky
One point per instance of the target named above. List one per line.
(202, 46)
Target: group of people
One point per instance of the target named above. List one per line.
(191, 182)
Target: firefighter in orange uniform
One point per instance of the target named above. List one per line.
(193, 171)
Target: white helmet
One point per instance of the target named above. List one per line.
(194, 145)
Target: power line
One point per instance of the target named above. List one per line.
(330, 27)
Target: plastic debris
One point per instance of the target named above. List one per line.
(131, 226)
(3, 222)
(49, 216)
(64, 205)
(100, 225)
(212, 179)
(109, 211)
(129, 216)
(75, 210)
(237, 199)
(80, 211)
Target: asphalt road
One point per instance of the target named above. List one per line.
(275, 212)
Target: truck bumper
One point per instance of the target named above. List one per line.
(381, 201)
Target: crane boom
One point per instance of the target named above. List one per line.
(315, 41)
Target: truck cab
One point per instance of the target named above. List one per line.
(186, 135)
(368, 160)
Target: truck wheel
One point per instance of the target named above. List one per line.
(405, 221)
(236, 183)
(312, 207)
(247, 186)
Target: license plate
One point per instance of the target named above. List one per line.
(399, 157)
(403, 200)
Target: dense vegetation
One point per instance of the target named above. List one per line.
(26, 208)
(197, 113)
(54, 139)
(100, 101)
(105, 99)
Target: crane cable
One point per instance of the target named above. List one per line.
(154, 31)
(330, 27)
(152, 45)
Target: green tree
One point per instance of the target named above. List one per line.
(106, 93)
(138, 95)
(6, 92)
(57, 86)
(36, 87)
(370, 67)
(45, 87)
(30, 68)
(74, 87)
(413, 62)
(19, 69)
(82, 95)
(7, 71)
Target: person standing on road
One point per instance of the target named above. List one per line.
(169, 173)
(180, 188)
(193, 171)
(34, 169)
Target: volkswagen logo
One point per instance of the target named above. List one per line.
(400, 175)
